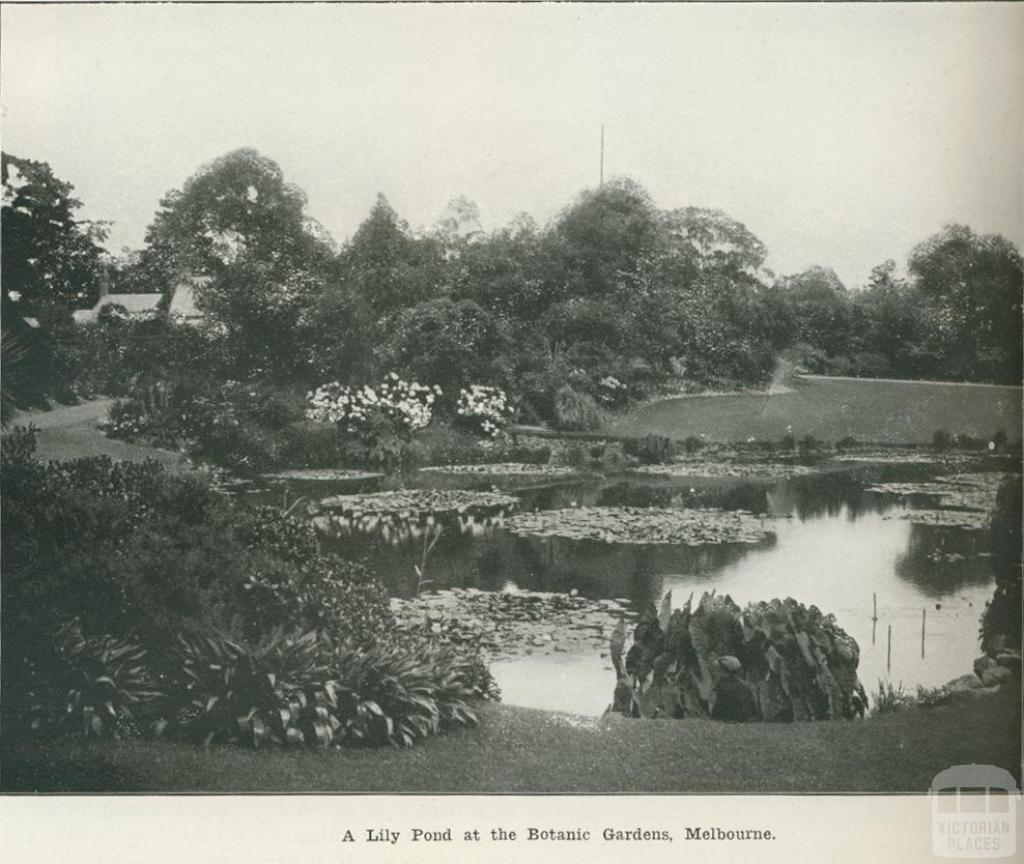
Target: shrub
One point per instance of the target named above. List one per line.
(847, 443)
(483, 410)
(692, 444)
(966, 441)
(576, 411)
(889, 699)
(941, 440)
(91, 687)
(649, 450)
(787, 442)
(787, 662)
(612, 392)
(134, 551)
(405, 406)
(304, 690)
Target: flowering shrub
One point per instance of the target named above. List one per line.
(406, 406)
(484, 410)
(611, 391)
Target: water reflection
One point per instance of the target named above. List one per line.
(833, 547)
(941, 561)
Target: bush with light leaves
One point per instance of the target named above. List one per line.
(483, 410)
(406, 406)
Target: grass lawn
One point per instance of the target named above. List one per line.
(522, 750)
(70, 432)
(831, 408)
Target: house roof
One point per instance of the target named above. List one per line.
(183, 301)
(133, 303)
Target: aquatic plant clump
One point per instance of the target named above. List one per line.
(635, 525)
(324, 475)
(405, 514)
(504, 469)
(963, 500)
(703, 468)
(772, 661)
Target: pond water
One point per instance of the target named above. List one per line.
(833, 546)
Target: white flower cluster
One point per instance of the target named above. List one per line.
(406, 404)
(485, 408)
(611, 390)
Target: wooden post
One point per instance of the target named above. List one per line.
(924, 614)
(888, 656)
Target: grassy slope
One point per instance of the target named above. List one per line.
(832, 408)
(70, 432)
(521, 750)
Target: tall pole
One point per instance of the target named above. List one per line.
(602, 157)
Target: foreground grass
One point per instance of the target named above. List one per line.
(522, 750)
(832, 408)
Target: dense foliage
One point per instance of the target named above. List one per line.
(614, 301)
(136, 600)
(772, 661)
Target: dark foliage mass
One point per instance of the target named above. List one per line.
(135, 601)
(614, 301)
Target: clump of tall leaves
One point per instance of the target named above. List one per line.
(88, 686)
(779, 661)
(305, 690)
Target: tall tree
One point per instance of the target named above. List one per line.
(387, 266)
(972, 284)
(51, 258)
(236, 206)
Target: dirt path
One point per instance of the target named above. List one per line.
(70, 432)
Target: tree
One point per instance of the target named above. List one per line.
(888, 326)
(447, 343)
(972, 285)
(236, 206)
(819, 309)
(714, 243)
(389, 268)
(50, 257)
(606, 236)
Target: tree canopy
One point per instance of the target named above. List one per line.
(51, 258)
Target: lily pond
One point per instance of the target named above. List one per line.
(545, 564)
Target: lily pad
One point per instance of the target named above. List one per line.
(970, 520)
(504, 469)
(904, 457)
(408, 503)
(325, 475)
(704, 468)
(696, 527)
(510, 624)
(975, 492)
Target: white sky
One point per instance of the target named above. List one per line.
(840, 134)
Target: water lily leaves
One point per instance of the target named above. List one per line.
(504, 469)
(704, 468)
(963, 500)
(646, 526)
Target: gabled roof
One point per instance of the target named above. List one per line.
(183, 301)
(134, 304)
